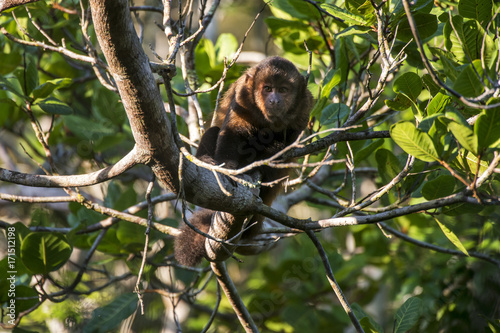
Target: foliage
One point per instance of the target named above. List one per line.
(443, 138)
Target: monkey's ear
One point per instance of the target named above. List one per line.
(250, 75)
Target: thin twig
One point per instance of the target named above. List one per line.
(220, 271)
(333, 283)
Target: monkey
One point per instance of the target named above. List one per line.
(262, 112)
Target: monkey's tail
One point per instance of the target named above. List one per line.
(189, 246)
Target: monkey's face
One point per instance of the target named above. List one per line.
(275, 98)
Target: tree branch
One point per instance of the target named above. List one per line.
(131, 159)
(220, 271)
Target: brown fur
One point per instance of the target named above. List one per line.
(262, 112)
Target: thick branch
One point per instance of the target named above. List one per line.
(151, 128)
(6, 4)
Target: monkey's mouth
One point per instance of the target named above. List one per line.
(277, 121)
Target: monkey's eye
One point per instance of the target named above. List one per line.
(283, 89)
(267, 89)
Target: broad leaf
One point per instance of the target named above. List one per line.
(54, 106)
(45, 89)
(438, 104)
(461, 131)
(409, 84)
(367, 322)
(333, 113)
(426, 26)
(479, 10)
(407, 315)
(108, 317)
(332, 79)
(487, 128)
(388, 164)
(226, 46)
(362, 154)
(42, 253)
(440, 187)
(468, 83)
(399, 103)
(414, 142)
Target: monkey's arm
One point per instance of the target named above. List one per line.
(208, 142)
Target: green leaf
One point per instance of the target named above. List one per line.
(452, 237)
(461, 130)
(414, 142)
(205, 57)
(468, 83)
(332, 78)
(407, 315)
(226, 46)
(462, 208)
(48, 87)
(464, 40)
(343, 14)
(479, 10)
(10, 61)
(432, 86)
(388, 164)
(42, 253)
(108, 317)
(464, 135)
(354, 30)
(12, 87)
(54, 106)
(410, 84)
(472, 163)
(442, 186)
(87, 129)
(426, 26)
(438, 104)
(367, 322)
(333, 113)
(487, 128)
(28, 77)
(362, 154)
(107, 106)
(363, 8)
(295, 9)
(399, 103)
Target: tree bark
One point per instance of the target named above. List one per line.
(150, 125)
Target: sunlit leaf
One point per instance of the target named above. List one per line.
(438, 104)
(487, 128)
(452, 237)
(45, 89)
(414, 141)
(348, 17)
(226, 46)
(409, 84)
(54, 106)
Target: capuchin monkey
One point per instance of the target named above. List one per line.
(264, 111)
